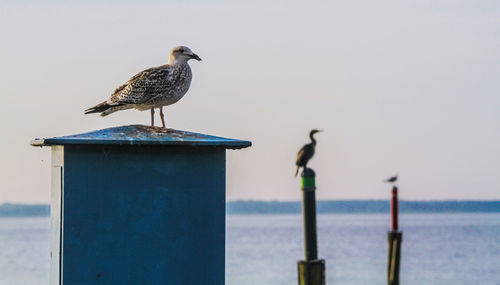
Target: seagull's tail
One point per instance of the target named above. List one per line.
(98, 108)
(105, 109)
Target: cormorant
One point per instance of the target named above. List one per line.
(392, 179)
(306, 152)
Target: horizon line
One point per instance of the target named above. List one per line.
(294, 201)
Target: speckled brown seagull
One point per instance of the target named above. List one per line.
(152, 88)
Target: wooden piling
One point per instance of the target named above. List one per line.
(394, 238)
(311, 272)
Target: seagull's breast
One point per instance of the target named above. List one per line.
(174, 86)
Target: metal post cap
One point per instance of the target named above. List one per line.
(308, 179)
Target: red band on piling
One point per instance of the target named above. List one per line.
(394, 208)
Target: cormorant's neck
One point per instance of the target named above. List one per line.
(313, 141)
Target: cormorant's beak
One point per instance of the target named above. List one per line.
(195, 56)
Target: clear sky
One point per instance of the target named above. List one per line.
(398, 86)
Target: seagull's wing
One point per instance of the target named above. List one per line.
(143, 87)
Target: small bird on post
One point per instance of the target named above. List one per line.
(306, 152)
(152, 88)
(391, 179)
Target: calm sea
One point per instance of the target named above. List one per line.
(263, 249)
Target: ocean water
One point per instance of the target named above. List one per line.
(264, 249)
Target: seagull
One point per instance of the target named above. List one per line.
(392, 179)
(306, 152)
(152, 88)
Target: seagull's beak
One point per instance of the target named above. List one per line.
(195, 56)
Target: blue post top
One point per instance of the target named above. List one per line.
(143, 135)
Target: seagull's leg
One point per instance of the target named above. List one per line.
(162, 118)
(152, 117)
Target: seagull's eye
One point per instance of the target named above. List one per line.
(181, 50)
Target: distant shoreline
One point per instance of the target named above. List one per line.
(24, 210)
(364, 206)
(323, 206)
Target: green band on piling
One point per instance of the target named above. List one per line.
(308, 182)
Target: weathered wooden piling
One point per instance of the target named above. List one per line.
(311, 271)
(394, 238)
(138, 205)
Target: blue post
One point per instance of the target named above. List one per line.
(138, 205)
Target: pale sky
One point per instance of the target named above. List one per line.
(398, 86)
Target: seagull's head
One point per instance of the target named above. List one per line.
(182, 54)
